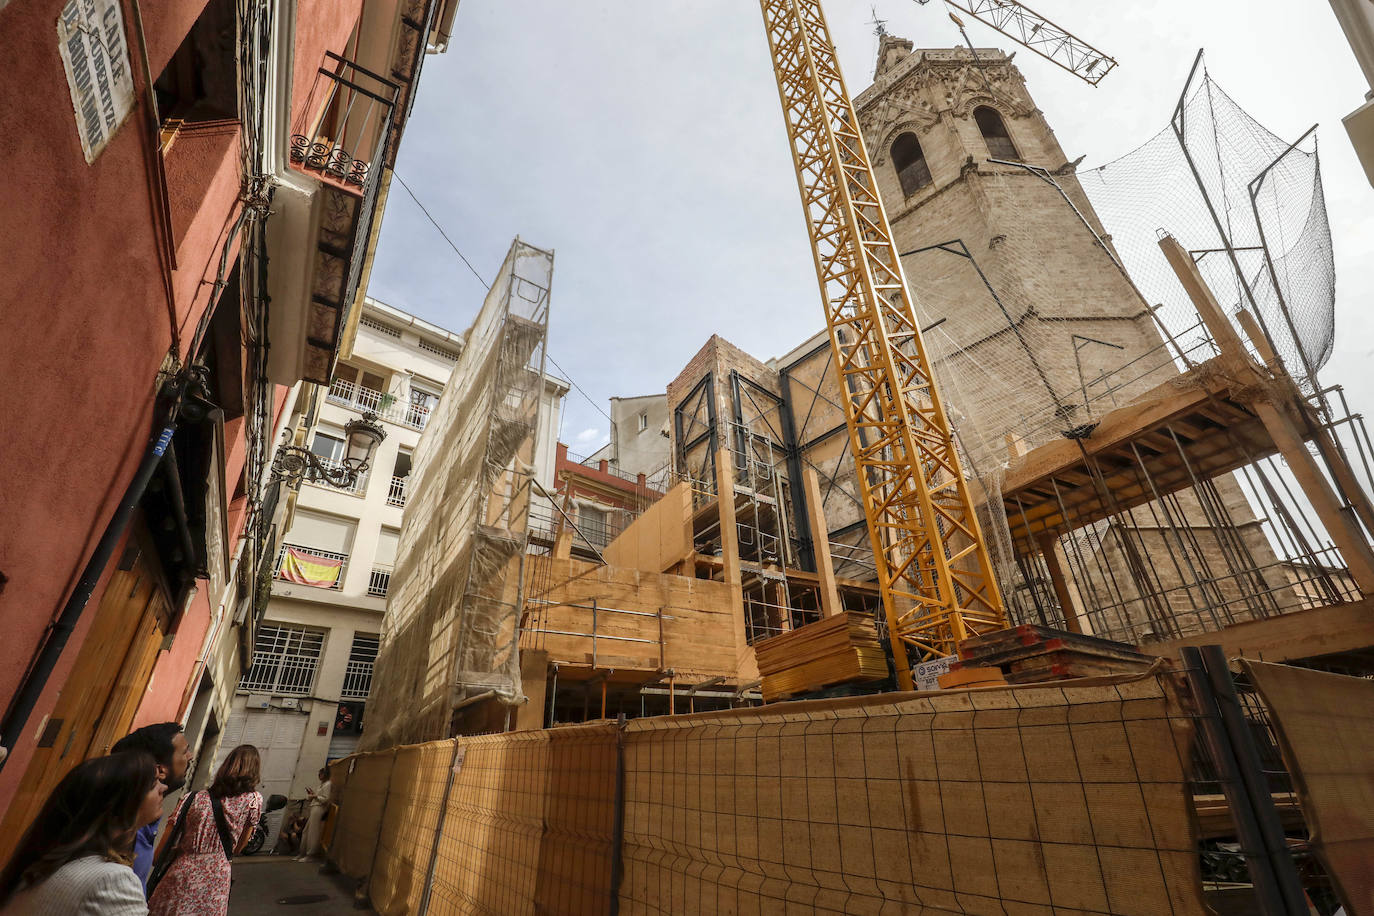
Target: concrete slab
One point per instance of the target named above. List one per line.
(280, 886)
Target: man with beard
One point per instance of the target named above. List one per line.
(168, 747)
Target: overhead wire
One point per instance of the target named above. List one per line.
(435, 224)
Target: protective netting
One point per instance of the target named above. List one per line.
(451, 626)
(1267, 197)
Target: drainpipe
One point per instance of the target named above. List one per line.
(26, 698)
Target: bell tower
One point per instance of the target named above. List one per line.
(1033, 316)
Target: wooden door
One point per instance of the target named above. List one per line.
(101, 695)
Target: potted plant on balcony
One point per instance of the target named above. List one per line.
(385, 401)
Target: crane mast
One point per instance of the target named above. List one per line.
(934, 572)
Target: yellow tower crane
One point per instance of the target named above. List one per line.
(934, 572)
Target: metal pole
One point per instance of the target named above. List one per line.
(439, 827)
(1255, 783)
(1269, 896)
(618, 827)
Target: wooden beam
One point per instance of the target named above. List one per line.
(1288, 637)
(1354, 493)
(1279, 423)
(820, 540)
(1049, 550)
(1208, 309)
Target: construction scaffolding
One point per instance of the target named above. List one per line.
(451, 628)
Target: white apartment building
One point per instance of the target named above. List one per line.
(302, 700)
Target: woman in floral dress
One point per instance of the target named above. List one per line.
(197, 883)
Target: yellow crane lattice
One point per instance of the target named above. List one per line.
(933, 567)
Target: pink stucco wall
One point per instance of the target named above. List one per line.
(85, 323)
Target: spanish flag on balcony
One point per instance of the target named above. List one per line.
(308, 569)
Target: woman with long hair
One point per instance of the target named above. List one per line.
(203, 835)
(75, 857)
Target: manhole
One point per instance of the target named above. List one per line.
(302, 899)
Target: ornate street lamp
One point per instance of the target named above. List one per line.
(295, 463)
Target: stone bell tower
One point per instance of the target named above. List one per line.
(1042, 350)
(1035, 329)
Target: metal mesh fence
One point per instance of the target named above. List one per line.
(1057, 798)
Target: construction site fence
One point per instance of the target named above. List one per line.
(1075, 797)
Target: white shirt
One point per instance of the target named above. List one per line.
(89, 886)
(321, 798)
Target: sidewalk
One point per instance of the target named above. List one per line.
(275, 884)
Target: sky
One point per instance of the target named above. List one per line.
(643, 141)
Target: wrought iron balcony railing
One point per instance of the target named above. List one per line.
(379, 582)
(352, 111)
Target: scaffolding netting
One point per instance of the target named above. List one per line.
(451, 626)
(1217, 178)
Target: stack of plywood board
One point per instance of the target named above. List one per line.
(835, 650)
(1030, 654)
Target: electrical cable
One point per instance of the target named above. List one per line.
(435, 224)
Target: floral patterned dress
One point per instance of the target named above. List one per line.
(197, 884)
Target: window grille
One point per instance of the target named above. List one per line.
(358, 674)
(438, 350)
(376, 325)
(379, 582)
(284, 660)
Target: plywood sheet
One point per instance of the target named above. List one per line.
(1325, 724)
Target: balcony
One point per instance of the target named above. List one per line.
(337, 152)
(355, 396)
(396, 494)
(379, 582)
(311, 566)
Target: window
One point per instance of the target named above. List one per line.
(995, 135)
(421, 403)
(328, 447)
(438, 350)
(358, 674)
(910, 162)
(284, 660)
(643, 422)
(200, 82)
(378, 326)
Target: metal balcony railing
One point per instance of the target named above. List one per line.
(355, 396)
(396, 495)
(309, 553)
(352, 110)
(379, 582)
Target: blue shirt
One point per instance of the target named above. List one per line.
(143, 851)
